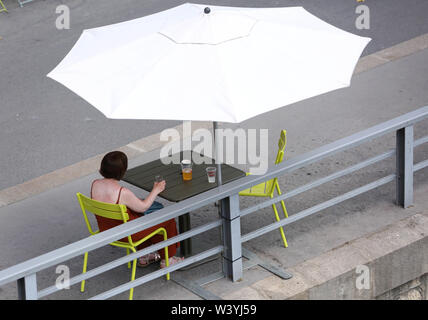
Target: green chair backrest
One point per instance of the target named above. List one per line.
(270, 185)
(102, 209)
(281, 146)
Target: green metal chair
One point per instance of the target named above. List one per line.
(267, 189)
(115, 212)
(2, 7)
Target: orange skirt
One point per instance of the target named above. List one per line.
(169, 225)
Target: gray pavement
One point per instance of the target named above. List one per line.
(52, 219)
(45, 127)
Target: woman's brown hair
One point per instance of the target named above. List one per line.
(114, 165)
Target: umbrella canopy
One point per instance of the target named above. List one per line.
(209, 63)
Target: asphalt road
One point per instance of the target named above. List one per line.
(44, 126)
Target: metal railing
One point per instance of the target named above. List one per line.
(22, 2)
(232, 239)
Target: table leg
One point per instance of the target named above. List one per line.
(184, 225)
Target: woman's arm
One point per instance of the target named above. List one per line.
(129, 199)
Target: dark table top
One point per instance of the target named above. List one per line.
(176, 189)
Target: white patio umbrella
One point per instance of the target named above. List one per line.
(209, 63)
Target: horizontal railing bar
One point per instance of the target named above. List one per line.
(80, 247)
(420, 165)
(318, 182)
(103, 238)
(158, 273)
(420, 141)
(132, 256)
(317, 208)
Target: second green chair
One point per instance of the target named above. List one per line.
(267, 189)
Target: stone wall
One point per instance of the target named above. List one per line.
(412, 290)
(391, 263)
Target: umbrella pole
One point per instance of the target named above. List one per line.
(220, 203)
(217, 160)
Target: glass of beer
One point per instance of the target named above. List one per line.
(186, 170)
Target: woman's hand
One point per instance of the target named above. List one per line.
(158, 187)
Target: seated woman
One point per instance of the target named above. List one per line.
(113, 168)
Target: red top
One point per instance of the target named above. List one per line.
(107, 223)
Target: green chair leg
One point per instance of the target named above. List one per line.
(129, 262)
(2, 7)
(85, 264)
(282, 201)
(165, 237)
(280, 228)
(134, 267)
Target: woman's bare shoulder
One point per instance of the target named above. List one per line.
(95, 181)
(104, 190)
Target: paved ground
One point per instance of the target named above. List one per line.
(52, 219)
(47, 127)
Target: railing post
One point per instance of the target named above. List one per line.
(27, 287)
(404, 158)
(232, 255)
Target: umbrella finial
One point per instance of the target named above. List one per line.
(207, 10)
